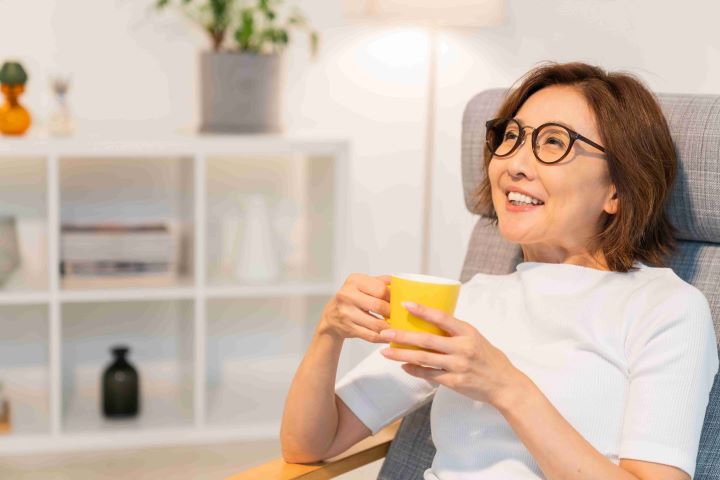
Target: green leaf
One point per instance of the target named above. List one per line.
(244, 33)
(314, 42)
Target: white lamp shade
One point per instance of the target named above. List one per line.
(460, 13)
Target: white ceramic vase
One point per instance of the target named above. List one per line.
(257, 256)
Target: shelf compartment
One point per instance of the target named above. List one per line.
(130, 190)
(253, 350)
(25, 373)
(297, 194)
(160, 337)
(23, 197)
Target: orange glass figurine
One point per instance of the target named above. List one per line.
(14, 118)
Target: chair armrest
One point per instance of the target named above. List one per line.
(362, 453)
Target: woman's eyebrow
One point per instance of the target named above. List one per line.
(560, 122)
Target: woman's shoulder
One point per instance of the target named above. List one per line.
(666, 283)
(670, 297)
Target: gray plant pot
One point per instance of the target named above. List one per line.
(240, 92)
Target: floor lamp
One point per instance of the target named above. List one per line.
(435, 15)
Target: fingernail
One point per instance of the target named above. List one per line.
(409, 305)
(387, 334)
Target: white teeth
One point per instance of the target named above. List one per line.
(519, 197)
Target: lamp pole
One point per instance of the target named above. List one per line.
(429, 149)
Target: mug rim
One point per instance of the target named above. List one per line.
(422, 278)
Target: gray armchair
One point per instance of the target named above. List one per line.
(694, 209)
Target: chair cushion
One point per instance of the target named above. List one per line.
(708, 459)
(409, 458)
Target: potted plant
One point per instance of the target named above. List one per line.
(241, 77)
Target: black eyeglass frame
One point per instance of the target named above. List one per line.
(574, 136)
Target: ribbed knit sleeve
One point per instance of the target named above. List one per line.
(672, 361)
(379, 391)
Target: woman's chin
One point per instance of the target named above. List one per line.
(511, 234)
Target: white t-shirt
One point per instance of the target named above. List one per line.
(628, 359)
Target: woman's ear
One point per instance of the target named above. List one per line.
(611, 204)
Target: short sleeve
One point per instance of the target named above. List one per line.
(672, 361)
(379, 391)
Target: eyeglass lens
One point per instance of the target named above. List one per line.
(551, 141)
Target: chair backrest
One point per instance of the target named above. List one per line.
(694, 209)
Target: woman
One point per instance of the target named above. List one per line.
(590, 361)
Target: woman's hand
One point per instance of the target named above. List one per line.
(346, 314)
(466, 361)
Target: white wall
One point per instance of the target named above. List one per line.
(131, 63)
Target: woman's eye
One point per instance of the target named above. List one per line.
(510, 136)
(555, 142)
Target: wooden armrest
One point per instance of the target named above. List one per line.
(362, 453)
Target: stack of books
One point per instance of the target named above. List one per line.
(9, 254)
(118, 255)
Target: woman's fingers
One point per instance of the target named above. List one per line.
(420, 357)
(368, 303)
(365, 320)
(429, 341)
(375, 287)
(386, 280)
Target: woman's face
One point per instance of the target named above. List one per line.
(575, 190)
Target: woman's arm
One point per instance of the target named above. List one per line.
(560, 451)
(310, 419)
(316, 424)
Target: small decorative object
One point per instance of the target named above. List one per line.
(257, 258)
(231, 226)
(117, 255)
(61, 121)
(14, 118)
(9, 252)
(5, 425)
(241, 84)
(120, 387)
(291, 234)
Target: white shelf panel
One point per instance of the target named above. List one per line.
(108, 142)
(182, 291)
(24, 298)
(157, 412)
(272, 290)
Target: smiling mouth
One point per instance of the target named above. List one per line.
(523, 204)
(522, 199)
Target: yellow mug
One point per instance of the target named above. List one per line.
(435, 292)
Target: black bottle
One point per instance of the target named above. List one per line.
(121, 387)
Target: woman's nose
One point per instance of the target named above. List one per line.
(522, 160)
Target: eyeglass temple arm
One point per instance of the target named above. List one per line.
(588, 141)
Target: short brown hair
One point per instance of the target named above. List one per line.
(641, 159)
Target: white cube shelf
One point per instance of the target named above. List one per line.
(216, 352)
(25, 370)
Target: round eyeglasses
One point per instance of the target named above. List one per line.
(551, 142)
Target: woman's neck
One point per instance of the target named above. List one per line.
(584, 259)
